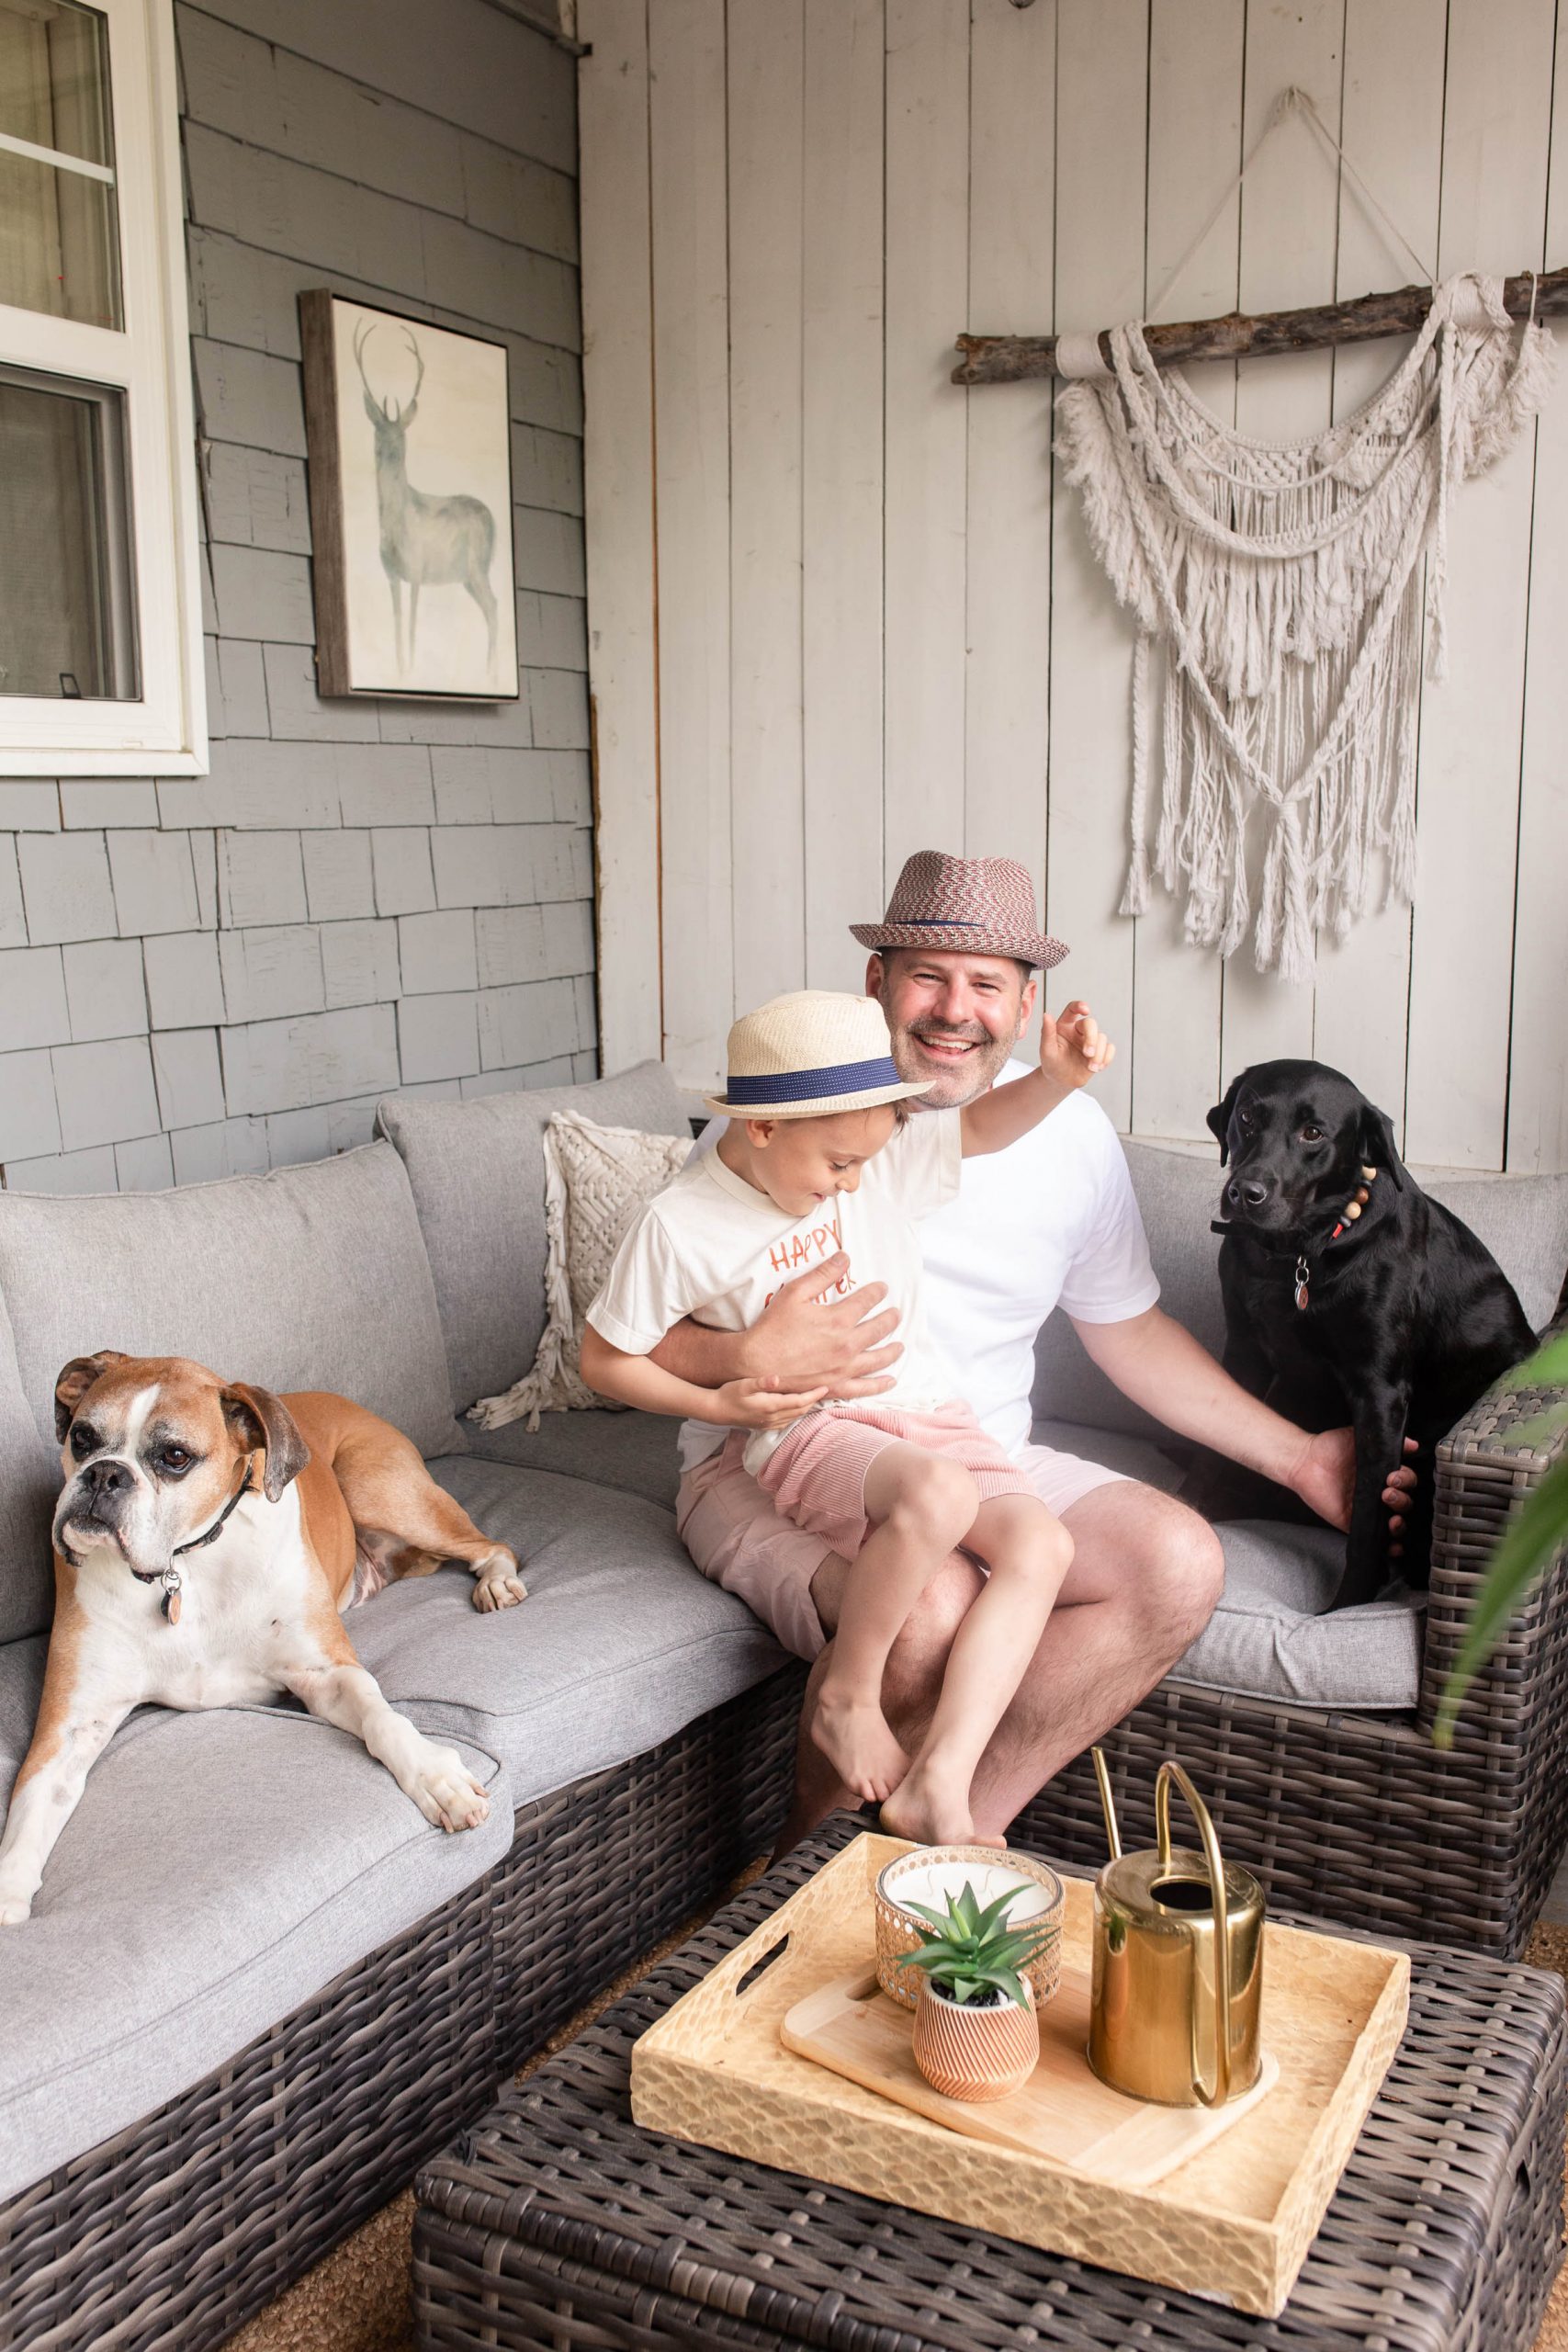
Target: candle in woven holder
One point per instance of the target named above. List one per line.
(928, 1874)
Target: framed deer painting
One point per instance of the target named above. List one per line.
(409, 434)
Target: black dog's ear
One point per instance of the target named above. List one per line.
(264, 1419)
(1219, 1118)
(74, 1383)
(1378, 1147)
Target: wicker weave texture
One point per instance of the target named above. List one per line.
(555, 2221)
(176, 2232)
(1357, 1818)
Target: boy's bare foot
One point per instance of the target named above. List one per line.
(932, 1811)
(856, 1738)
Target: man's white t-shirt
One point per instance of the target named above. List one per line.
(713, 1247)
(1051, 1221)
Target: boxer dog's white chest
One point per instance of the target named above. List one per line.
(243, 1601)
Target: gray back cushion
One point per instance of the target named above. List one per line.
(477, 1172)
(29, 1481)
(311, 1277)
(1523, 1220)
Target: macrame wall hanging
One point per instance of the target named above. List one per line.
(1276, 590)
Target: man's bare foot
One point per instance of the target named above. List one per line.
(856, 1738)
(932, 1811)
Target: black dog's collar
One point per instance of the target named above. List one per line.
(1286, 1245)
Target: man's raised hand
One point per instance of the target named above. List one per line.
(1073, 1049)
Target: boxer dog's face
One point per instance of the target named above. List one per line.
(153, 1448)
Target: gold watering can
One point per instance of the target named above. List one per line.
(1178, 1963)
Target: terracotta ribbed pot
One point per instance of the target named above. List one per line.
(974, 2053)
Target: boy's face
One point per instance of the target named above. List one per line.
(800, 1163)
(953, 1020)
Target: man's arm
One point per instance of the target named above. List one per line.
(1159, 1364)
(805, 1338)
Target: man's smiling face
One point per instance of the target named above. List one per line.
(953, 1020)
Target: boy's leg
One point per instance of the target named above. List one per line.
(1028, 1552)
(922, 1505)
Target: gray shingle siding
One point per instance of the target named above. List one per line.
(200, 977)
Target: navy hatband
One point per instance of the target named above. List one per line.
(814, 1085)
(933, 923)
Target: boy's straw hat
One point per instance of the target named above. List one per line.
(963, 906)
(807, 1055)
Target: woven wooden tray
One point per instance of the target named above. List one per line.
(1232, 2222)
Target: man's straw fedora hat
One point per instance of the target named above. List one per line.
(964, 906)
(807, 1055)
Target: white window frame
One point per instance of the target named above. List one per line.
(165, 732)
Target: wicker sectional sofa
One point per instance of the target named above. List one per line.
(257, 1990)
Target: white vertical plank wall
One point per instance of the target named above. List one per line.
(842, 477)
(1195, 54)
(1289, 226)
(1538, 1067)
(1496, 135)
(767, 811)
(839, 609)
(1393, 107)
(618, 326)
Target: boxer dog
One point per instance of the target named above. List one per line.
(209, 1538)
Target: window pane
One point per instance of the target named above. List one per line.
(66, 626)
(59, 226)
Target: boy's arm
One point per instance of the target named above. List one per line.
(1072, 1051)
(738, 1404)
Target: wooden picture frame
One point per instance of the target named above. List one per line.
(415, 584)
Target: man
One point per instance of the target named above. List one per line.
(1051, 1221)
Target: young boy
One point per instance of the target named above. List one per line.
(821, 1153)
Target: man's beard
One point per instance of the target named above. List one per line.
(952, 1082)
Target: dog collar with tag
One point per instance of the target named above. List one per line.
(170, 1578)
(1350, 1215)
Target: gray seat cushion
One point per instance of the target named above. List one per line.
(29, 1483)
(633, 1453)
(620, 1642)
(477, 1172)
(221, 1869)
(1523, 1220)
(1271, 1637)
(311, 1277)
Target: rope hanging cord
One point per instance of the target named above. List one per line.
(1280, 585)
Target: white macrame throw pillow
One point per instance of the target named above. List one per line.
(596, 1179)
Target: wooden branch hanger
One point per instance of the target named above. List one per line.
(1018, 359)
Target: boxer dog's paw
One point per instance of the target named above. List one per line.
(498, 1585)
(13, 1909)
(446, 1792)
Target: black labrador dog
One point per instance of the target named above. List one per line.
(1351, 1296)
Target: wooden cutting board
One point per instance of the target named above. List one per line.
(1063, 2112)
(1231, 2219)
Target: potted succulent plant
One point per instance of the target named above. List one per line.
(976, 2034)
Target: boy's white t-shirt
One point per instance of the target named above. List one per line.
(1051, 1221)
(711, 1246)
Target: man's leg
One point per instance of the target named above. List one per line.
(1145, 1575)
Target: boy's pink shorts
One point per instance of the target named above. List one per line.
(739, 1538)
(816, 1476)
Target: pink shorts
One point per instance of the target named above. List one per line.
(817, 1477)
(738, 1537)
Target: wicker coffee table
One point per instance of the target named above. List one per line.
(555, 2221)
